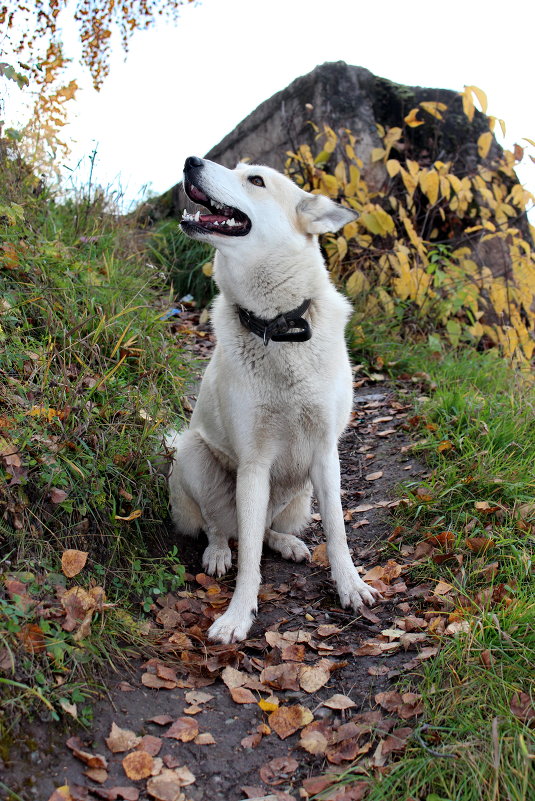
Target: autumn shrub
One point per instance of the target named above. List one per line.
(442, 247)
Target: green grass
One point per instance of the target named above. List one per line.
(187, 263)
(90, 378)
(485, 410)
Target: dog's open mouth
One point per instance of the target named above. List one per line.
(223, 219)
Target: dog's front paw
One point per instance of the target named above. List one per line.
(216, 560)
(230, 627)
(354, 592)
(288, 546)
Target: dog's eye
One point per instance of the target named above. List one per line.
(256, 180)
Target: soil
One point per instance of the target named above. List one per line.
(375, 460)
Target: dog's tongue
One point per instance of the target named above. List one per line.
(212, 218)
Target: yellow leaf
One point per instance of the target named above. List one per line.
(468, 103)
(410, 181)
(378, 221)
(268, 706)
(434, 108)
(378, 153)
(132, 516)
(393, 167)
(502, 126)
(208, 268)
(357, 284)
(481, 96)
(529, 141)
(329, 185)
(342, 246)
(430, 185)
(412, 120)
(483, 144)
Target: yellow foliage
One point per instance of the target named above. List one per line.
(389, 257)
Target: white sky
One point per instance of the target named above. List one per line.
(183, 87)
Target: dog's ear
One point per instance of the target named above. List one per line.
(319, 214)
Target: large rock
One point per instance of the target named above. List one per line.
(341, 96)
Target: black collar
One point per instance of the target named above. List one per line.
(278, 329)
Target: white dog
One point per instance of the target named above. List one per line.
(277, 392)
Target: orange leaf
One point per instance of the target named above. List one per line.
(72, 562)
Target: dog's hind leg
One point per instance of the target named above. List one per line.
(293, 518)
(202, 495)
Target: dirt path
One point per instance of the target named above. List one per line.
(205, 735)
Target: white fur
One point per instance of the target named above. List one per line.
(265, 428)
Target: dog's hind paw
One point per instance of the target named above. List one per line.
(287, 545)
(230, 627)
(217, 560)
(354, 592)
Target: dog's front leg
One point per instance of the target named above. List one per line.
(353, 591)
(252, 497)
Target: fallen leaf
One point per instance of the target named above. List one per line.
(241, 695)
(251, 740)
(327, 630)
(522, 707)
(58, 496)
(98, 775)
(314, 738)
(183, 729)
(32, 638)
(156, 683)
(73, 562)
(204, 738)
(288, 719)
(138, 765)
(267, 705)
(234, 678)
(167, 786)
(279, 770)
(121, 739)
(396, 741)
(319, 555)
(198, 697)
(281, 677)
(312, 677)
(479, 544)
(442, 588)
(150, 744)
(338, 701)
(374, 476)
(91, 760)
(161, 720)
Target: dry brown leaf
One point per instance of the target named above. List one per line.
(32, 638)
(168, 785)
(281, 677)
(251, 740)
(312, 677)
(293, 653)
(233, 677)
(91, 760)
(319, 555)
(138, 765)
(150, 744)
(156, 683)
(522, 707)
(396, 741)
(161, 720)
(98, 775)
(316, 737)
(374, 476)
(279, 770)
(121, 739)
(204, 738)
(479, 544)
(288, 719)
(73, 562)
(198, 697)
(327, 630)
(338, 701)
(241, 695)
(183, 729)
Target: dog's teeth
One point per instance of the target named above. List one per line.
(232, 222)
(197, 215)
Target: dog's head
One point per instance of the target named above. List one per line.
(255, 203)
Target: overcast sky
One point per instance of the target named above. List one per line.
(183, 87)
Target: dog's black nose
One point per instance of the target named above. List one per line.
(191, 162)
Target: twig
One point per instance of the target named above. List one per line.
(425, 727)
